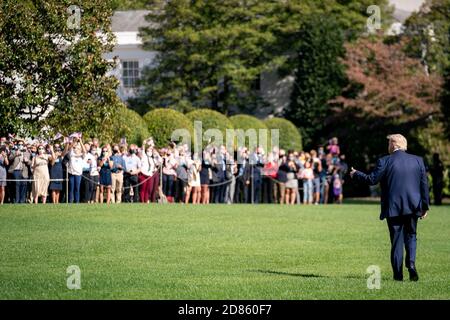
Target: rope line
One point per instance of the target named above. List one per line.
(31, 180)
(124, 188)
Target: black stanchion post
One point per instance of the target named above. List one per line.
(252, 183)
(67, 184)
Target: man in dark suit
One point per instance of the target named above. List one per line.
(404, 198)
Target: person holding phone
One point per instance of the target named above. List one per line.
(19, 160)
(76, 151)
(133, 167)
(41, 175)
(3, 163)
(105, 164)
(56, 173)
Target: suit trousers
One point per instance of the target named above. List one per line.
(402, 231)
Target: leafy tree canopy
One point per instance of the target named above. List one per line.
(211, 52)
(52, 71)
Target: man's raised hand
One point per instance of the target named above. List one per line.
(352, 172)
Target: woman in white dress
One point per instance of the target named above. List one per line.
(41, 175)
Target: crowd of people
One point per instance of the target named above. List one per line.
(74, 171)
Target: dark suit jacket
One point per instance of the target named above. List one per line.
(404, 184)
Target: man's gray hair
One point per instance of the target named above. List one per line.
(398, 141)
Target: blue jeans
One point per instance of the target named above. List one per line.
(74, 188)
(323, 183)
(168, 185)
(21, 187)
(307, 191)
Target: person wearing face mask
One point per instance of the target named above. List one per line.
(91, 175)
(76, 152)
(240, 193)
(182, 175)
(41, 175)
(19, 160)
(133, 166)
(56, 173)
(155, 163)
(148, 170)
(282, 172)
(87, 184)
(292, 182)
(204, 176)
(3, 163)
(219, 177)
(117, 174)
(169, 174)
(254, 180)
(105, 165)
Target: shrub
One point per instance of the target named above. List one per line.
(246, 122)
(161, 123)
(210, 120)
(130, 125)
(289, 135)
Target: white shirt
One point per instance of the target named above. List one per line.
(148, 165)
(93, 170)
(75, 164)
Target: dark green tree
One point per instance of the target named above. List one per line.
(52, 71)
(445, 103)
(319, 75)
(210, 52)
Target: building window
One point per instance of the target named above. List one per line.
(130, 73)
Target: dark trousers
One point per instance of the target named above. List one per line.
(130, 181)
(267, 190)
(179, 190)
(438, 185)
(86, 187)
(10, 190)
(21, 187)
(240, 193)
(219, 191)
(168, 185)
(93, 187)
(254, 189)
(402, 231)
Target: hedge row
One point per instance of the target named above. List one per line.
(161, 123)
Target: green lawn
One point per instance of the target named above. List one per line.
(213, 252)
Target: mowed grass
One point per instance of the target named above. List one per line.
(213, 252)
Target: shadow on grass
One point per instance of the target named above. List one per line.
(376, 201)
(303, 275)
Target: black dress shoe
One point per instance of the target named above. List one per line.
(413, 276)
(398, 277)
